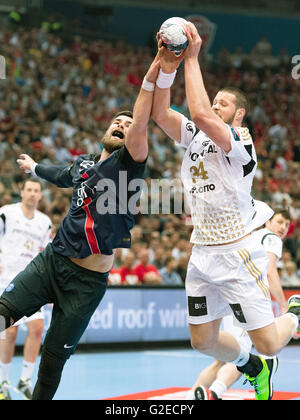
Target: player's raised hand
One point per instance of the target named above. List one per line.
(195, 42)
(26, 163)
(152, 73)
(169, 62)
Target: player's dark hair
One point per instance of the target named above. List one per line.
(242, 100)
(284, 213)
(36, 180)
(125, 112)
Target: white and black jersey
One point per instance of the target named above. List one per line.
(218, 186)
(270, 241)
(21, 239)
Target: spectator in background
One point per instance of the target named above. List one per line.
(289, 275)
(182, 266)
(5, 199)
(78, 147)
(181, 248)
(169, 275)
(114, 277)
(118, 261)
(136, 233)
(128, 272)
(159, 258)
(292, 243)
(147, 273)
(7, 177)
(286, 256)
(62, 154)
(154, 242)
(281, 197)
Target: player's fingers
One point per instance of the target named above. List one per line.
(192, 28)
(160, 43)
(193, 31)
(187, 29)
(156, 59)
(161, 51)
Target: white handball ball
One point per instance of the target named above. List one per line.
(173, 34)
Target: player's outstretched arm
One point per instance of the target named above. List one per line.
(165, 117)
(58, 175)
(198, 101)
(137, 138)
(275, 283)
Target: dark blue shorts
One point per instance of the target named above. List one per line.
(75, 292)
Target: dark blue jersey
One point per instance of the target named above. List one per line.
(100, 216)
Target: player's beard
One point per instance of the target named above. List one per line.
(228, 121)
(111, 144)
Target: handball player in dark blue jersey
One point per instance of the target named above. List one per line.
(72, 271)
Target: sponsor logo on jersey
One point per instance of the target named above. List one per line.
(190, 127)
(10, 287)
(85, 165)
(202, 189)
(210, 149)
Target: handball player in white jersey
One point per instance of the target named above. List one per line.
(227, 271)
(214, 380)
(24, 232)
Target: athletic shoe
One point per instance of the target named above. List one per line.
(294, 307)
(25, 388)
(263, 382)
(205, 394)
(4, 391)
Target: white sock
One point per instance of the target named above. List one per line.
(295, 319)
(4, 375)
(243, 358)
(218, 387)
(27, 370)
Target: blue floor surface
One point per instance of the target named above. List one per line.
(92, 376)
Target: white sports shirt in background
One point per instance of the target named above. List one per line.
(21, 239)
(270, 241)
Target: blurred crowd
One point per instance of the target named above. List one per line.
(58, 99)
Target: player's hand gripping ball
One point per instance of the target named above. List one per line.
(173, 34)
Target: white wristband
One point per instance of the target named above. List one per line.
(165, 80)
(32, 168)
(148, 85)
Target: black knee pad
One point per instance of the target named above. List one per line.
(6, 317)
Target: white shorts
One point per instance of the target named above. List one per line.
(227, 279)
(230, 325)
(34, 317)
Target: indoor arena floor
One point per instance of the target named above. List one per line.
(153, 374)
